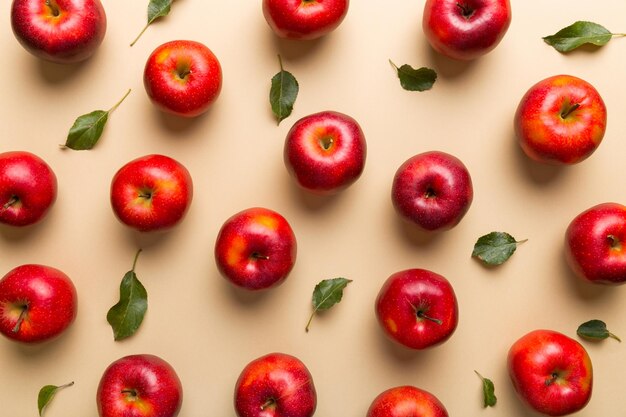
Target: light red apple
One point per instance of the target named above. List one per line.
(325, 152)
(406, 401)
(304, 19)
(37, 303)
(275, 385)
(465, 29)
(551, 372)
(595, 244)
(417, 308)
(151, 193)
(61, 31)
(256, 249)
(183, 77)
(560, 120)
(433, 190)
(28, 188)
(139, 386)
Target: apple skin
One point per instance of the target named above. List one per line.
(467, 29)
(139, 386)
(304, 19)
(406, 401)
(43, 296)
(256, 249)
(417, 308)
(548, 137)
(28, 188)
(275, 385)
(432, 190)
(551, 372)
(325, 152)
(68, 32)
(183, 77)
(151, 193)
(594, 244)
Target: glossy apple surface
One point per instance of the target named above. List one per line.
(594, 244)
(325, 152)
(551, 372)
(275, 385)
(560, 120)
(37, 303)
(151, 193)
(139, 386)
(406, 401)
(256, 249)
(28, 188)
(465, 29)
(433, 190)
(304, 19)
(61, 31)
(183, 78)
(417, 308)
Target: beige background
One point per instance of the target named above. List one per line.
(207, 330)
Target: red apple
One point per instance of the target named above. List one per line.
(594, 244)
(183, 78)
(406, 401)
(417, 308)
(551, 372)
(433, 190)
(325, 152)
(61, 31)
(465, 29)
(37, 303)
(275, 385)
(151, 193)
(256, 249)
(28, 188)
(560, 120)
(304, 19)
(139, 386)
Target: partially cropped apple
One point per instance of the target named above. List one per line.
(61, 31)
(406, 401)
(304, 19)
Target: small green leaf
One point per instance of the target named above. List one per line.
(495, 248)
(489, 395)
(578, 34)
(126, 316)
(326, 294)
(595, 330)
(156, 9)
(47, 393)
(412, 79)
(283, 93)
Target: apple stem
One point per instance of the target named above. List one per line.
(268, 403)
(54, 8)
(423, 315)
(257, 255)
(614, 242)
(131, 392)
(135, 260)
(465, 10)
(116, 105)
(20, 319)
(569, 111)
(9, 203)
(552, 379)
(140, 33)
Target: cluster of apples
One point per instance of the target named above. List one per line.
(560, 120)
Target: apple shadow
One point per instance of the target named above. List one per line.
(413, 234)
(55, 73)
(294, 50)
(248, 298)
(310, 201)
(539, 173)
(18, 234)
(179, 124)
(587, 291)
(401, 355)
(448, 67)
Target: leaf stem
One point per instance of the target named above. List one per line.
(140, 33)
(69, 384)
(308, 324)
(20, 319)
(393, 65)
(611, 335)
(280, 62)
(135, 260)
(116, 105)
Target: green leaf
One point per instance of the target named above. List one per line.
(495, 248)
(283, 93)
(156, 9)
(412, 79)
(126, 316)
(489, 395)
(326, 294)
(595, 330)
(47, 393)
(578, 34)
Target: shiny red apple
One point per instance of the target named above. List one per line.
(151, 193)
(560, 120)
(256, 249)
(61, 31)
(551, 372)
(406, 401)
(325, 152)
(304, 19)
(417, 308)
(275, 385)
(28, 188)
(183, 78)
(37, 303)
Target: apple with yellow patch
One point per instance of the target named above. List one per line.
(256, 249)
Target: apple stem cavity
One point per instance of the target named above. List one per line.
(565, 113)
(326, 142)
(552, 379)
(466, 11)
(14, 199)
(420, 314)
(54, 8)
(20, 319)
(270, 402)
(130, 393)
(614, 242)
(257, 255)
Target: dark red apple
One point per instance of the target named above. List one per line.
(304, 19)
(406, 401)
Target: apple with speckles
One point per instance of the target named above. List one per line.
(304, 19)
(406, 401)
